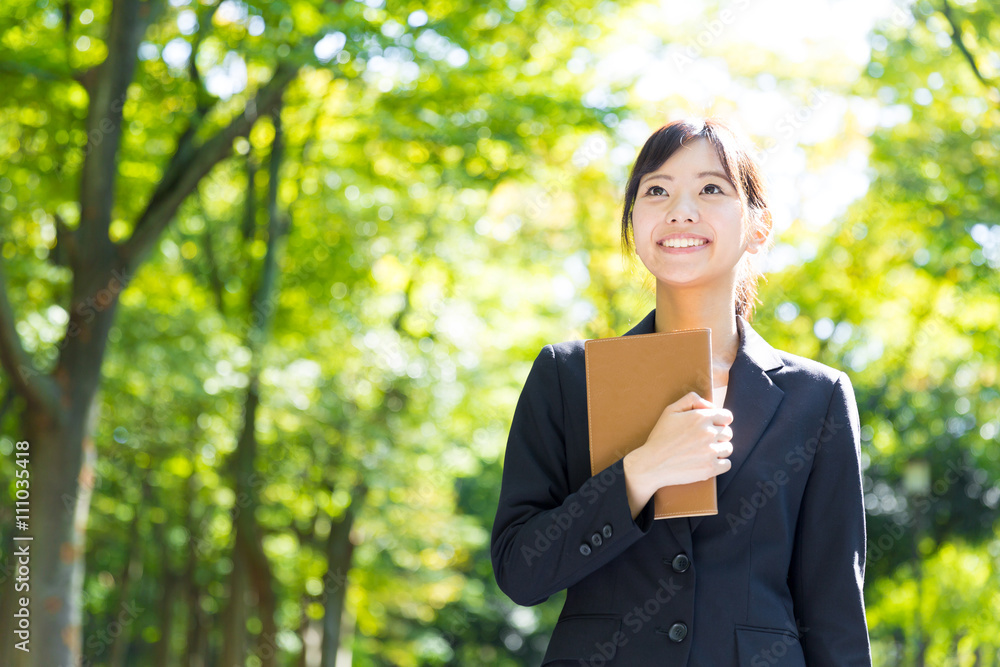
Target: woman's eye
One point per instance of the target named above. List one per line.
(656, 190)
(713, 185)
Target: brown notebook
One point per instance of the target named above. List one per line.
(630, 380)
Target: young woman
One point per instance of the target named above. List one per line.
(777, 576)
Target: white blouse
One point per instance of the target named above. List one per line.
(719, 395)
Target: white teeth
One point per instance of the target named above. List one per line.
(683, 243)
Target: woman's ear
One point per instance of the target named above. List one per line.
(760, 231)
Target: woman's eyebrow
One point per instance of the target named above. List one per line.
(703, 174)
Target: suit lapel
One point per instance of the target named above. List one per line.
(752, 398)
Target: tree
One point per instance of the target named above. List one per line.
(134, 110)
(904, 296)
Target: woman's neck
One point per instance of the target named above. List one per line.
(678, 309)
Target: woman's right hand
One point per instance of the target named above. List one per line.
(689, 443)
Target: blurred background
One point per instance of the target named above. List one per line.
(272, 275)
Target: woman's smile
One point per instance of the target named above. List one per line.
(682, 243)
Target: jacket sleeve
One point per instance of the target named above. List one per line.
(547, 536)
(827, 572)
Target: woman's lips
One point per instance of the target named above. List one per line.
(683, 245)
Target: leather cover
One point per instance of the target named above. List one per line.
(630, 380)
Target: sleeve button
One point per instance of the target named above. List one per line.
(585, 549)
(596, 539)
(606, 531)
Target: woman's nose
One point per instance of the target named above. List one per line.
(684, 210)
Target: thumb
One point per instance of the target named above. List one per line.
(689, 401)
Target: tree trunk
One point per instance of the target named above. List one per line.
(345, 654)
(127, 609)
(161, 651)
(248, 549)
(59, 406)
(59, 431)
(251, 570)
(173, 583)
(310, 634)
(196, 651)
(899, 642)
(59, 505)
(234, 638)
(339, 551)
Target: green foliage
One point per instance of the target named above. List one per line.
(905, 296)
(453, 207)
(394, 145)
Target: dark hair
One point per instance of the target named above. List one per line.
(736, 153)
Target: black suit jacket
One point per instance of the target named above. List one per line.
(775, 578)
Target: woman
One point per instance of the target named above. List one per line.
(777, 576)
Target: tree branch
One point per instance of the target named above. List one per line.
(104, 118)
(214, 274)
(249, 226)
(193, 162)
(264, 298)
(37, 388)
(25, 69)
(205, 16)
(956, 38)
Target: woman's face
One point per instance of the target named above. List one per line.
(688, 221)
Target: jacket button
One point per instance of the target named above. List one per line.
(678, 631)
(596, 539)
(606, 530)
(680, 563)
(585, 549)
